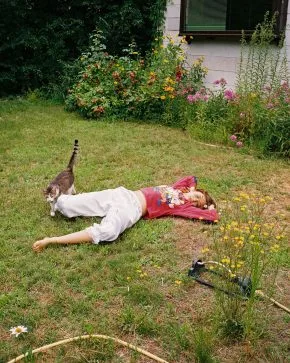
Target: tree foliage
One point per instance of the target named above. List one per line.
(37, 38)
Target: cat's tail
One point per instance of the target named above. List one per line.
(73, 157)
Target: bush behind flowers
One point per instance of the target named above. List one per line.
(133, 87)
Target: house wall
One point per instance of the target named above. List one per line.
(221, 56)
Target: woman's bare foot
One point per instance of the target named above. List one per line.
(40, 245)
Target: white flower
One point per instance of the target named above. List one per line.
(18, 330)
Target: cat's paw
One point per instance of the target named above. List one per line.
(52, 213)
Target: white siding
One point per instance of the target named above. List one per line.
(221, 56)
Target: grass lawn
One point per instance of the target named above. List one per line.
(136, 288)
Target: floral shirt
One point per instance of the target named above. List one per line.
(165, 200)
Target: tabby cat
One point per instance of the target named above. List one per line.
(63, 183)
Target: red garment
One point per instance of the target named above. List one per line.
(167, 200)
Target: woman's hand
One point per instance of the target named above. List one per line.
(40, 245)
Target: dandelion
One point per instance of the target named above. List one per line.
(17, 330)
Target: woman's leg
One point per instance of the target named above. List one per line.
(94, 204)
(124, 213)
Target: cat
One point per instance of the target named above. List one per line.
(63, 183)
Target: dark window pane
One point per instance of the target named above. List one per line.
(206, 15)
(222, 15)
(246, 14)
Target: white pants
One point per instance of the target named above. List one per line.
(120, 208)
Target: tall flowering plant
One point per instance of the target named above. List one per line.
(246, 251)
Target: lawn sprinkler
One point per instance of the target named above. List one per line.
(244, 283)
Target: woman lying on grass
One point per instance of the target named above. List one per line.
(122, 208)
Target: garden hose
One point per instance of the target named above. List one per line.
(83, 337)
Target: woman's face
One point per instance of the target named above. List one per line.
(196, 198)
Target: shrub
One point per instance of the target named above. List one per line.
(131, 86)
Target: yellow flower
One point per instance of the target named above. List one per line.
(226, 260)
(168, 89)
(178, 282)
(204, 250)
(128, 278)
(162, 97)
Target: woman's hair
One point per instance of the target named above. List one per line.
(208, 199)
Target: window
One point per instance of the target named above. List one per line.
(228, 17)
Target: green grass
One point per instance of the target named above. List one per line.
(69, 291)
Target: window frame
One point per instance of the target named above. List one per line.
(278, 5)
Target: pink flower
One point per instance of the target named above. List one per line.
(221, 81)
(239, 144)
(190, 98)
(229, 94)
(195, 97)
(233, 138)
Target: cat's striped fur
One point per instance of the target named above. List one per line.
(63, 183)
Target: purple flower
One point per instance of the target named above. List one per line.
(194, 98)
(229, 94)
(239, 144)
(233, 137)
(221, 81)
(190, 98)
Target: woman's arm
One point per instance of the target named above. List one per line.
(72, 238)
(186, 182)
